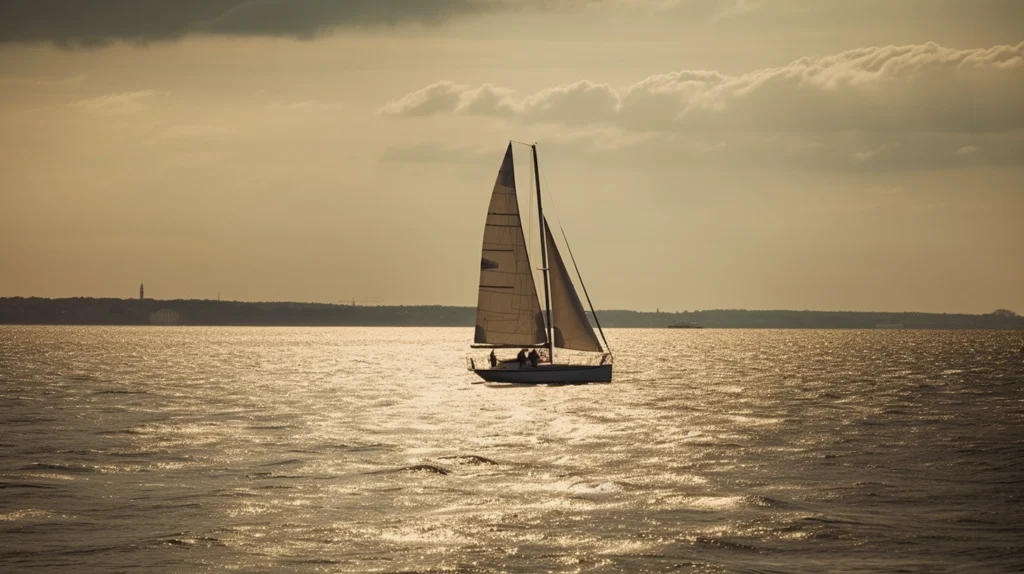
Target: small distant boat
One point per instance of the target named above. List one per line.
(684, 325)
(888, 325)
(508, 312)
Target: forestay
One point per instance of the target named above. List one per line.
(508, 311)
(572, 329)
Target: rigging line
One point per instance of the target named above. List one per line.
(530, 236)
(529, 230)
(532, 239)
(533, 188)
(585, 294)
(552, 198)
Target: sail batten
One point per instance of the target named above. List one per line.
(572, 329)
(508, 310)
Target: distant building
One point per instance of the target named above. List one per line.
(165, 317)
(142, 291)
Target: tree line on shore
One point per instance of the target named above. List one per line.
(98, 311)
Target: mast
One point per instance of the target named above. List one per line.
(544, 258)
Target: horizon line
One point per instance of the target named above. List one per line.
(656, 311)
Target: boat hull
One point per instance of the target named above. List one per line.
(548, 374)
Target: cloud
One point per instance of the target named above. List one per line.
(573, 104)
(117, 104)
(90, 23)
(923, 87)
(93, 23)
(96, 22)
(449, 97)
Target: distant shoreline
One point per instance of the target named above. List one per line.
(108, 311)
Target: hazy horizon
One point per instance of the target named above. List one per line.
(701, 154)
(472, 305)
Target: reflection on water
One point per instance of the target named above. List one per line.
(358, 449)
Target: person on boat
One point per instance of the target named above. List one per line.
(494, 359)
(534, 357)
(521, 357)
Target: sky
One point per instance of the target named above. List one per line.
(700, 154)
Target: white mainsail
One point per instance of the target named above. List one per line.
(508, 311)
(572, 329)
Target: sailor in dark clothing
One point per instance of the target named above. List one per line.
(494, 359)
(521, 357)
(534, 357)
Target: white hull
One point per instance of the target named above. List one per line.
(548, 374)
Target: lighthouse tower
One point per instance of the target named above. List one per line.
(142, 291)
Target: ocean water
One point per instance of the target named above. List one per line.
(372, 450)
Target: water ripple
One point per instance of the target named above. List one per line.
(370, 450)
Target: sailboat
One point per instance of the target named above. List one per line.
(509, 314)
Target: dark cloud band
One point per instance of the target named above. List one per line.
(97, 22)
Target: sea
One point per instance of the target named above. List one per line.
(212, 449)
